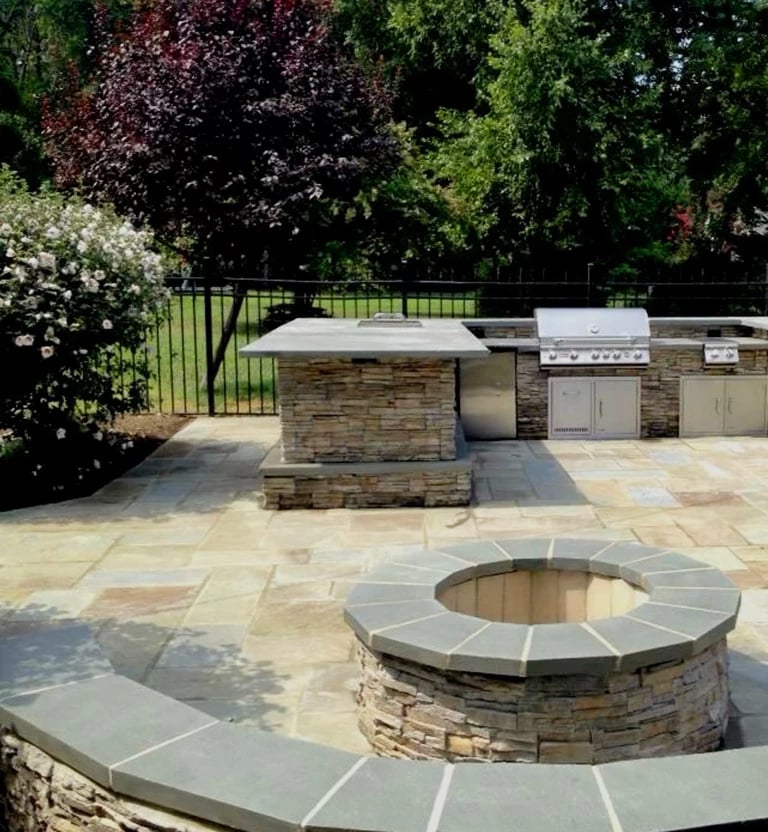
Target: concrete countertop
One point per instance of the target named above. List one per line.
(742, 342)
(346, 338)
(519, 344)
(532, 344)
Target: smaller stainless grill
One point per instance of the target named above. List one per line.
(721, 351)
(589, 337)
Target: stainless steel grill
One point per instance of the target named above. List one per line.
(588, 337)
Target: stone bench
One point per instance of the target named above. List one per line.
(85, 748)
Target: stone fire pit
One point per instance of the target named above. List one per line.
(544, 650)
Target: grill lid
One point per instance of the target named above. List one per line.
(578, 324)
(593, 336)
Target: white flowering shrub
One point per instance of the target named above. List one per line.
(78, 284)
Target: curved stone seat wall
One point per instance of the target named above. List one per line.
(85, 748)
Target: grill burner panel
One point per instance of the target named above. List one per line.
(593, 337)
(721, 352)
(580, 356)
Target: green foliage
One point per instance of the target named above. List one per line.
(39, 42)
(428, 50)
(597, 121)
(237, 126)
(76, 284)
(399, 225)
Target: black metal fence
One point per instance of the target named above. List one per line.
(193, 353)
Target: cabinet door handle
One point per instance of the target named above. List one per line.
(730, 402)
(600, 408)
(717, 404)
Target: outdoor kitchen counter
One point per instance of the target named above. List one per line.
(742, 342)
(519, 344)
(532, 344)
(350, 338)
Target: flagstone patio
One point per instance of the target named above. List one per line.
(198, 592)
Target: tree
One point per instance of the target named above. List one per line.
(597, 120)
(37, 42)
(429, 50)
(236, 129)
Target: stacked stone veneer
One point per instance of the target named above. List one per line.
(366, 410)
(659, 386)
(367, 433)
(384, 490)
(411, 711)
(41, 793)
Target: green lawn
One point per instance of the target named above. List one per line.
(175, 352)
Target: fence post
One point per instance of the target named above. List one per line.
(209, 375)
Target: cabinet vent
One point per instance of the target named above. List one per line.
(561, 429)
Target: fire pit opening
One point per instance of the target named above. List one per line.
(545, 596)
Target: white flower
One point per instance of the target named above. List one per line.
(134, 289)
(24, 340)
(46, 351)
(61, 433)
(47, 261)
(98, 435)
(96, 464)
(106, 323)
(52, 232)
(9, 252)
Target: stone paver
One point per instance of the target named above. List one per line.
(198, 592)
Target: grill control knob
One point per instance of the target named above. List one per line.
(606, 355)
(729, 353)
(715, 353)
(574, 355)
(638, 354)
(617, 354)
(552, 356)
(595, 355)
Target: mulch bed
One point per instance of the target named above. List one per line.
(30, 481)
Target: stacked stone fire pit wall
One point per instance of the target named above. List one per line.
(410, 711)
(437, 683)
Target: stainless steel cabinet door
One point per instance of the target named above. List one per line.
(745, 405)
(702, 406)
(487, 396)
(570, 407)
(617, 407)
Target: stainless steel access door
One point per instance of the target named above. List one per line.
(487, 396)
